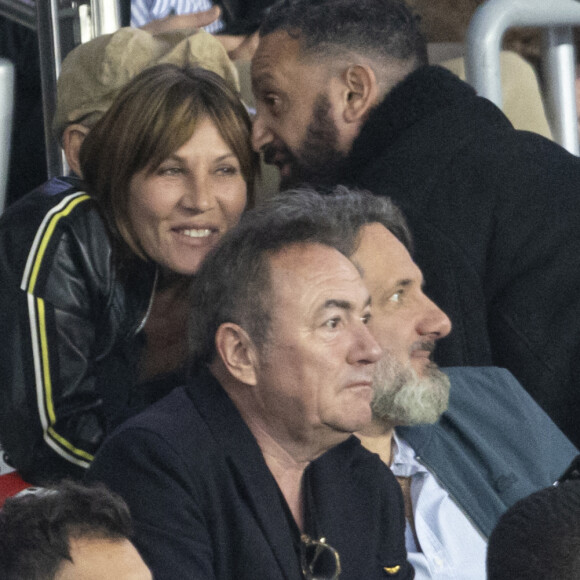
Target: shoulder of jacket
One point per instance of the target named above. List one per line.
(39, 233)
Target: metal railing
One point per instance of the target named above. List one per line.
(6, 114)
(21, 11)
(556, 19)
(61, 25)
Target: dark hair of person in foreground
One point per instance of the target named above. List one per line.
(36, 528)
(538, 537)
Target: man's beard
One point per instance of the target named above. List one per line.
(318, 159)
(402, 397)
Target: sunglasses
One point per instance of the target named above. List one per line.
(572, 472)
(319, 560)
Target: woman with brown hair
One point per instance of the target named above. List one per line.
(94, 282)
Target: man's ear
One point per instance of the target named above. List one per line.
(72, 139)
(361, 93)
(237, 351)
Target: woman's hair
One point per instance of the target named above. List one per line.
(152, 117)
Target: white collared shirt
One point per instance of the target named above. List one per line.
(143, 11)
(450, 546)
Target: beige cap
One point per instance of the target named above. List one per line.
(93, 73)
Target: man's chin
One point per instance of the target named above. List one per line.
(411, 399)
(287, 178)
(294, 174)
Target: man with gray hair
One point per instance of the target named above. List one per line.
(465, 443)
(251, 470)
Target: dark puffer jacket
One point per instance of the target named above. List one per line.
(495, 215)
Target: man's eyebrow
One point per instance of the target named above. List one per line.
(342, 304)
(262, 78)
(405, 282)
(385, 294)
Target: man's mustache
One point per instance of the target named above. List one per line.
(426, 345)
(273, 154)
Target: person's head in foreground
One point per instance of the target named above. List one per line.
(320, 68)
(538, 537)
(171, 166)
(280, 310)
(68, 532)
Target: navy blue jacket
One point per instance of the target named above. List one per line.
(492, 447)
(206, 506)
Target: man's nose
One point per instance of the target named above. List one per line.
(434, 321)
(365, 349)
(261, 135)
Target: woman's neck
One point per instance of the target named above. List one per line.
(166, 327)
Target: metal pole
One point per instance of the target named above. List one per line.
(50, 59)
(484, 35)
(6, 114)
(106, 16)
(559, 65)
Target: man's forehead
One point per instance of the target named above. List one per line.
(383, 258)
(311, 270)
(98, 558)
(308, 258)
(276, 52)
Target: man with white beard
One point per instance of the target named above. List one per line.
(464, 444)
(459, 467)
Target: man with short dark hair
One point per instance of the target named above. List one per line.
(343, 96)
(250, 471)
(68, 532)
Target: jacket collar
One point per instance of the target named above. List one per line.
(423, 93)
(253, 478)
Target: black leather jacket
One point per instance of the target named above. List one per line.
(70, 324)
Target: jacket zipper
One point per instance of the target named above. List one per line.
(150, 305)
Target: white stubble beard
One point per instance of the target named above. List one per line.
(402, 397)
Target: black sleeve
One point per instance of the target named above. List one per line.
(51, 413)
(171, 532)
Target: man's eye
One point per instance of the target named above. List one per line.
(366, 318)
(397, 296)
(333, 322)
(271, 101)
